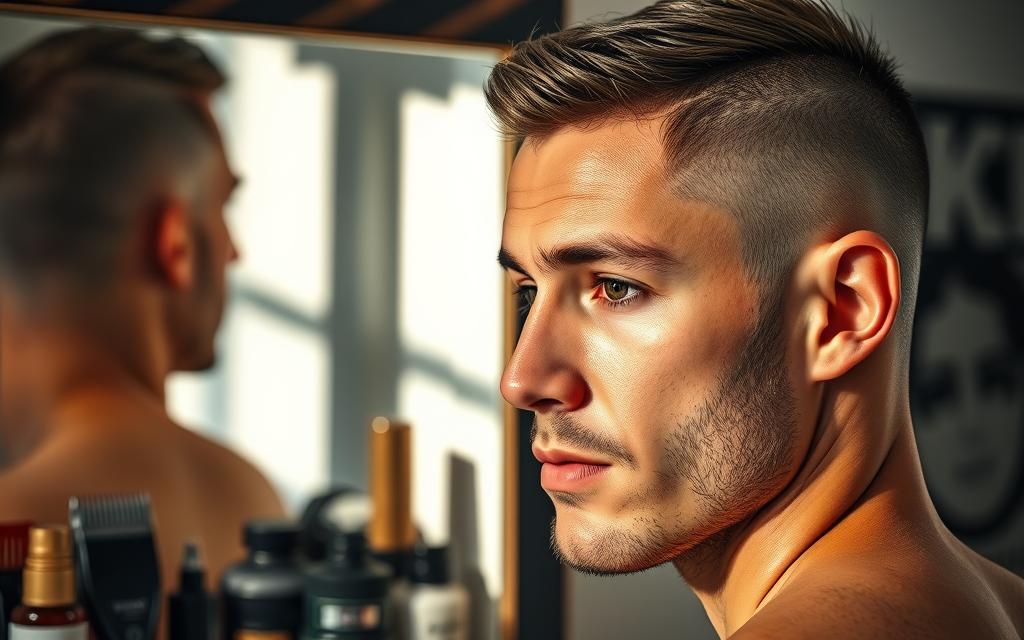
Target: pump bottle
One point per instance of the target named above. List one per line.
(49, 608)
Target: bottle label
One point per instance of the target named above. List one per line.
(438, 627)
(337, 615)
(78, 631)
(437, 618)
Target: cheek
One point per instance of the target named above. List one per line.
(634, 361)
(652, 369)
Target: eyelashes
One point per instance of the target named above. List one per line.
(613, 293)
(524, 296)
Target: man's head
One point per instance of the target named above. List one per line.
(113, 178)
(717, 206)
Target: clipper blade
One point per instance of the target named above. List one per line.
(111, 515)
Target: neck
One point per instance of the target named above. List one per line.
(51, 356)
(862, 448)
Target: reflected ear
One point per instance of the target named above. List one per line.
(173, 244)
(855, 294)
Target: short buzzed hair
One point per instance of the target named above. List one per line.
(782, 112)
(90, 121)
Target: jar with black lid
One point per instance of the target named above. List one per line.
(263, 593)
(347, 595)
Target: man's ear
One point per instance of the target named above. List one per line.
(174, 252)
(854, 289)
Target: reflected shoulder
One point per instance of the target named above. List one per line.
(231, 478)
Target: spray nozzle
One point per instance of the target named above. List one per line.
(192, 571)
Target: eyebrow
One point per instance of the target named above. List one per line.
(507, 262)
(606, 248)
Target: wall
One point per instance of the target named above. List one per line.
(946, 49)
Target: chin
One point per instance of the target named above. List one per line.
(199, 363)
(586, 544)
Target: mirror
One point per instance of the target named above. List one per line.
(367, 220)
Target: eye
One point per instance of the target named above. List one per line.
(935, 390)
(615, 290)
(618, 292)
(525, 295)
(996, 377)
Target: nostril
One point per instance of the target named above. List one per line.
(546, 405)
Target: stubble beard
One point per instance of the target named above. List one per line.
(733, 456)
(198, 329)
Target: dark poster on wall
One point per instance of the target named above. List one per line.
(499, 22)
(967, 368)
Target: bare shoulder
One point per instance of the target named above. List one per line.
(879, 602)
(37, 487)
(23, 499)
(231, 477)
(1007, 586)
(136, 452)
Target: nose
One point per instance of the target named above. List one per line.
(233, 252)
(542, 375)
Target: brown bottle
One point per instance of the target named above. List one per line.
(48, 606)
(391, 533)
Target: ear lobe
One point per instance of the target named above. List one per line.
(859, 289)
(173, 244)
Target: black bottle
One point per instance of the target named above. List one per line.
(191, 612)
(346, 596)
(263, 593)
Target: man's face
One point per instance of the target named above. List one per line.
(662, 404)
(214, 251)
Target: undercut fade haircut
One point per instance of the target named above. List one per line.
(783, 112)
(91, 121)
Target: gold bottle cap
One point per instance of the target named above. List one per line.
(49, 577)
(391, 527)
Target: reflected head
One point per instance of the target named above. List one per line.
(96, 126)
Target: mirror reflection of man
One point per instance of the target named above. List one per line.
(968, 388)
(714, 225)
(113, 250)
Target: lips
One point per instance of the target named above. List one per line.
(568, 472)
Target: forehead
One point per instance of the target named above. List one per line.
(610, 161)
(221, 169)
(578, 183)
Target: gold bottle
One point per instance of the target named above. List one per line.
(48, 600)
(391, 530)
(391, 533)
